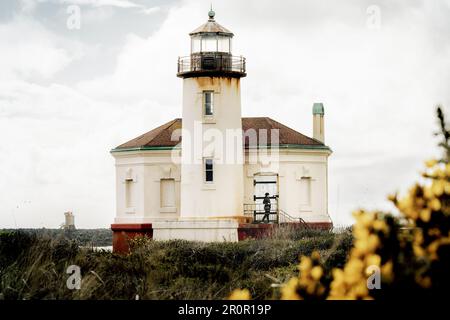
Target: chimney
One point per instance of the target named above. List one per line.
(318, 122)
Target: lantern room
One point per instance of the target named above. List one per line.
(211, 52)
(211, 37)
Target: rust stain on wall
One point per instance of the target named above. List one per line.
(208, 82)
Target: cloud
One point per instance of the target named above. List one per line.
(151, 10)
(28, 5)
(35, 54)
(103, 3)
(379, 88)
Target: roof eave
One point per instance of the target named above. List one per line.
(219, 33)
(281, 146)
(131, 149)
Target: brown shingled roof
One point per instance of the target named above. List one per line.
(158, 137)
(286, 134)
(161, 136)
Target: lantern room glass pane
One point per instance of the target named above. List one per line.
(209, 44)
(224, 44)
(196, 44)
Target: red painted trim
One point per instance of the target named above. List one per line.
(320, 225)
(131, 226)
(122, 233)
(255, 231)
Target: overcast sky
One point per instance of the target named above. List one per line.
(67, 96)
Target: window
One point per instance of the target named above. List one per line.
(223, 44)
(196, 44)
(129, 193)
(305, 191)
(208, 100)
(209, 43)
(167, 193)
(209, 177)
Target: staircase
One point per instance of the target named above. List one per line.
(256, 212)
(287, 218)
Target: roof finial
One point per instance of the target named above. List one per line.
(211, 13)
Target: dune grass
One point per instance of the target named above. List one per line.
(33, 266)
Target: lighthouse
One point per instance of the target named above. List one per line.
(216, 183)
(212, 159)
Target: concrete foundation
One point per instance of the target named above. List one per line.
(197, 230)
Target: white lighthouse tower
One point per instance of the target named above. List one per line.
(212, 182)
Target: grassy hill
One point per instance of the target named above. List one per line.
(33, 265)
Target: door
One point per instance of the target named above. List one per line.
(265, 184)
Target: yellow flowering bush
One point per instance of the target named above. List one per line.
(240, 294)
(410, 250)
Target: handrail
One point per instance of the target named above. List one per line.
(281, 216)
(214, 61)
(290, 218)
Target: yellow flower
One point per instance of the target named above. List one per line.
(289, 290)
(418, 236)
(392, 197)
(425, 282)
(438, 187)
(315, 255)
(418, 250)
(360, 233)
(316, 272)
(338, 275)
(373, 259)
(428, 193)
(373, 242)
(425, 215)
(360, 290)
(435, 204)
(240, 294)
(380, 225)
(353, 271)
(447, 187)
(386, 270)
(367, 219)
(431, 163)
(305, 264)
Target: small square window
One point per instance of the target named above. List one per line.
(208, 100)
(209, 176)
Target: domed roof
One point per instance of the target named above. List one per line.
(211, 26)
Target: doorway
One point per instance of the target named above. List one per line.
(265, 183)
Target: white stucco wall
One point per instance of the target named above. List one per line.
(296, 168)
(223, 197)
(149, 167)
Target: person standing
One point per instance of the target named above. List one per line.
(267, 205)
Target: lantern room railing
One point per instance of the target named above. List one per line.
(214, 62)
